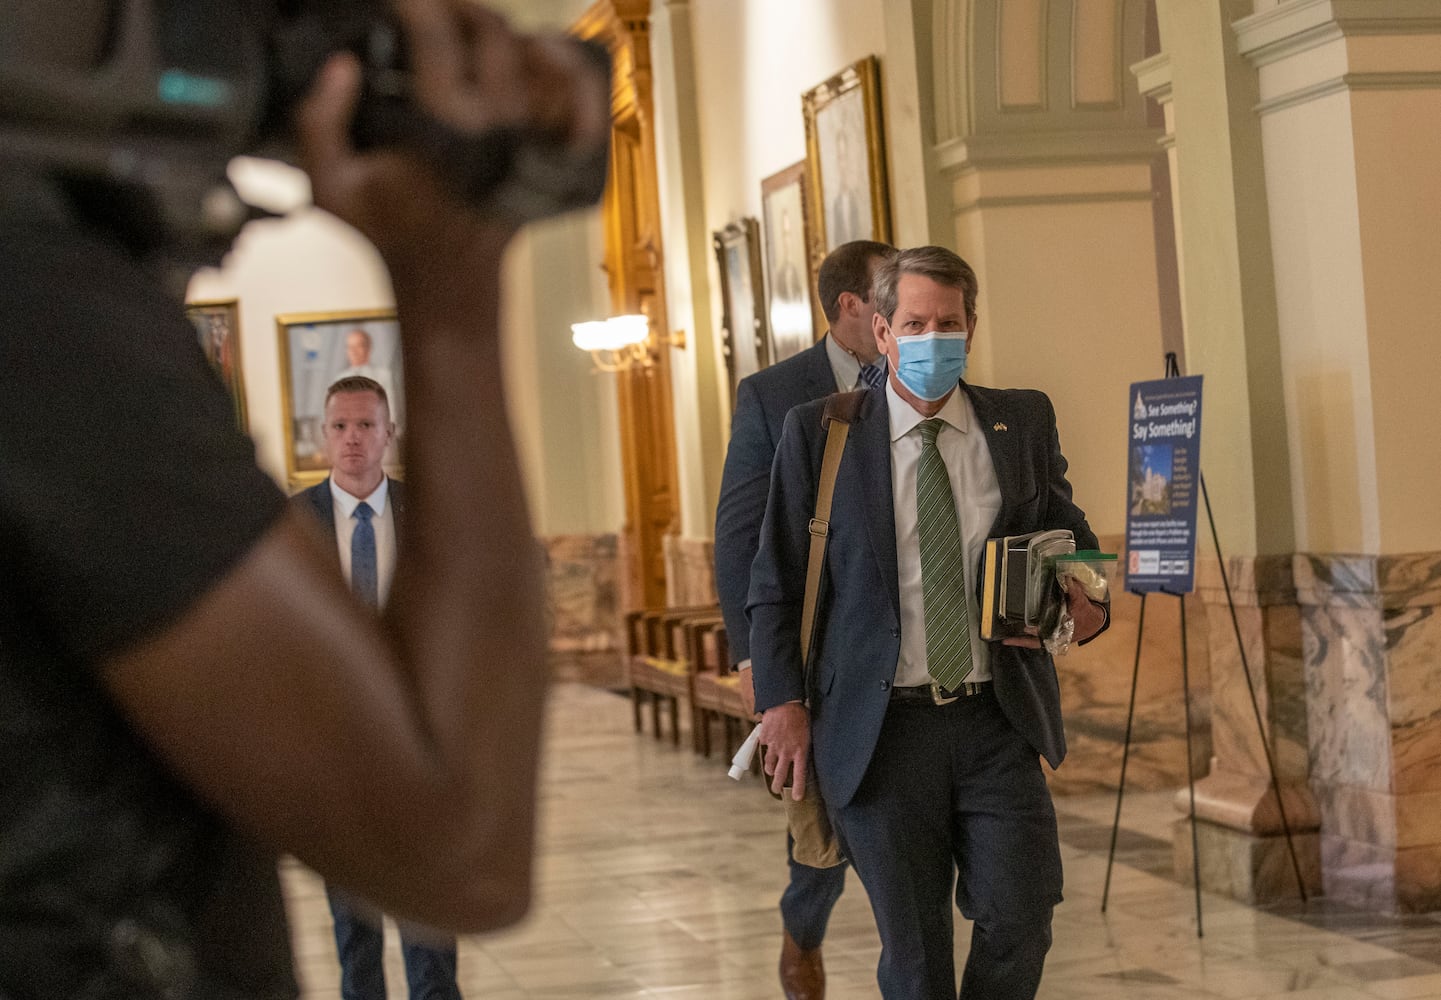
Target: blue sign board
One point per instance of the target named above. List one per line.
(1163, 485)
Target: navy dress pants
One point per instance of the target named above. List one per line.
(954, 797)
(809, 898)
(360, 943)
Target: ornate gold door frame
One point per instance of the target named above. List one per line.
(633, 259)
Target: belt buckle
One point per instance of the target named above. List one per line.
(939, 698)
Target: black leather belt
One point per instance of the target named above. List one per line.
(934, 694)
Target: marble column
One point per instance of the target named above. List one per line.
(1372, 648)
(1239, 827)
(583, 585)
(689, 571)
(1348, 94)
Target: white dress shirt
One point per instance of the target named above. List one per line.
(383, 522)
(978, 499)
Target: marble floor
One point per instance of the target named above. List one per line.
(658, 877)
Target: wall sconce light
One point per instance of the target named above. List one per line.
(618, 343)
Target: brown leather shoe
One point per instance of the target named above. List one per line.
(803, 974)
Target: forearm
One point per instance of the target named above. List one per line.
(776, 668)
(468, 614)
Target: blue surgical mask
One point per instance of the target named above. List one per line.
(930, 364)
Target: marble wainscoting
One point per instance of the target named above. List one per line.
(1240, 828)
(1372, 648)
(689, 571)
(1096, 691)
(582, 580)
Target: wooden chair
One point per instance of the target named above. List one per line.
(658, 669)
(717, 696)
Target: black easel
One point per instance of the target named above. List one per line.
(1173, 371)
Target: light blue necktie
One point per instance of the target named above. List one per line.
(364, 578)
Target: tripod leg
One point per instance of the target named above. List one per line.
(1190, 774)
(1125, 754)
(1255, 707)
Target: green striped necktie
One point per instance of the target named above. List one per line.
(943, 569)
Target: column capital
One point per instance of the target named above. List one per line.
(1309, 49)
(1153, 76)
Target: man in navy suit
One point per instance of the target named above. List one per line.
(362, 510)
(837, 363)
(925, 739)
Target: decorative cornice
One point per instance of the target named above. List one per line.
(1032, 200)
(1153, 77)
(1047, 147)
(1299, 25)
(1351, 81)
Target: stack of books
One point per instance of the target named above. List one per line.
(1018, 582)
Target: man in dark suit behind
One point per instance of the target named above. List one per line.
(926, 739)
(837, 363)
(362, 510)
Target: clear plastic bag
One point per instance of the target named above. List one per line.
(1093, 571)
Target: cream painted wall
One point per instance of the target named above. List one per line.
(741, 66)
(1310, 166)
(1401, 258)
(1228, 295)
(754, 60)
(699, 399)
(564, 412)
(1068, 305)
(1352, 178)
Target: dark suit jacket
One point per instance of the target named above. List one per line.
(319, 501)
(858, 635)
(762, 402)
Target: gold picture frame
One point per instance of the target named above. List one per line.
(315, 350)
(846, 162)
(745, 339)
(790, 281)
(217, 329)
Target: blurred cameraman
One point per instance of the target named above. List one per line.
(186, 685)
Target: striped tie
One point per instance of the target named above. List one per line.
(872, 376)
(943, 571)
(363, 577)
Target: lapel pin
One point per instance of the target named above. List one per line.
(998, 426)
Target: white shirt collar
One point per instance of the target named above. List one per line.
(905, 419)
(347, 503)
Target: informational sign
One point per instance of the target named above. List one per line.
(1163, 485)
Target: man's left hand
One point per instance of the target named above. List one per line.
(1089, 617)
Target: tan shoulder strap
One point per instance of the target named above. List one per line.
(840, 412)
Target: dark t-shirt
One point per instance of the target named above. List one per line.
(126, 492)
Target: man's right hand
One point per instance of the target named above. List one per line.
(473, 73)
(786, 735)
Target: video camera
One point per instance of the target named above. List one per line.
(157, 96)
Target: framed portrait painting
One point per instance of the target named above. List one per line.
(845, 160)
(217, 328)
(316, 349)
(745, 341)
(789, 279)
